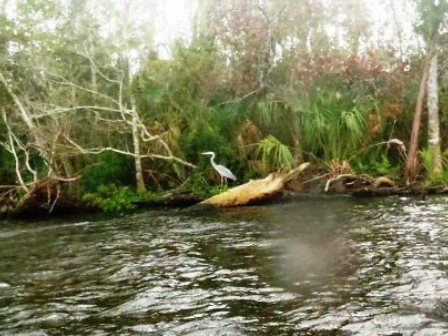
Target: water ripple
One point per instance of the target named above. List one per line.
(333, 267)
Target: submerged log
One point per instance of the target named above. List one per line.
(252, 192)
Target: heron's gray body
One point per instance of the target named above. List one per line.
(223, 171)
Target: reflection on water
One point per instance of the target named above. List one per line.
(320, 267)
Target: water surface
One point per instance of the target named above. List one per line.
(317, 267)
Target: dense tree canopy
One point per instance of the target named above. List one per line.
(87, 96)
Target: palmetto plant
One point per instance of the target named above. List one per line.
(333, 122)
(274, 154)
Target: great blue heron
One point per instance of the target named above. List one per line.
(223, 171)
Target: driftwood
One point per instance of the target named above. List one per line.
(346, 183)
(350, 183)
(252, 192)
(365, 186)
(383, 182)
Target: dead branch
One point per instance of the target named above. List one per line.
(63, 81)
(55, 112)
(12, 149)
(96, 151)
(337, 178)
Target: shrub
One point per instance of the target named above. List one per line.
(111, 198)
(107, 169)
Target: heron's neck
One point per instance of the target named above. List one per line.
(212, 158)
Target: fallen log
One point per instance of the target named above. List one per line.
(252, 192)
(172, 199)
(416, 190)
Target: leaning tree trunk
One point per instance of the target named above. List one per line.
(40, 144)
(411, 163)
(433, 120)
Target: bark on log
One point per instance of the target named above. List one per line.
(252, 192)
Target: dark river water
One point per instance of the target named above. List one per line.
(316, 267)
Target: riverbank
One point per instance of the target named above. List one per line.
(53, 199)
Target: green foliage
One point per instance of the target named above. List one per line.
(428, 163)
(274, 154)
(334, 120)
(111, 198)
(431, 16)
(199, 185)
(381, 166)
(202, 137)
(306, 94)
(269, 111)
(7, 174)
(105, 169)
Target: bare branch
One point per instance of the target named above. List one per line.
(244, 97)
(27, 158)
(58, 192)
(64, 81)
(86, 54)
(76, 108)
(13, 151)
(95, 151)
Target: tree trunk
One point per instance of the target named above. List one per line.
(433, 120)
(137, 157)
(135, 122)
(296, 138)
(40, 144)
(411, 163)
